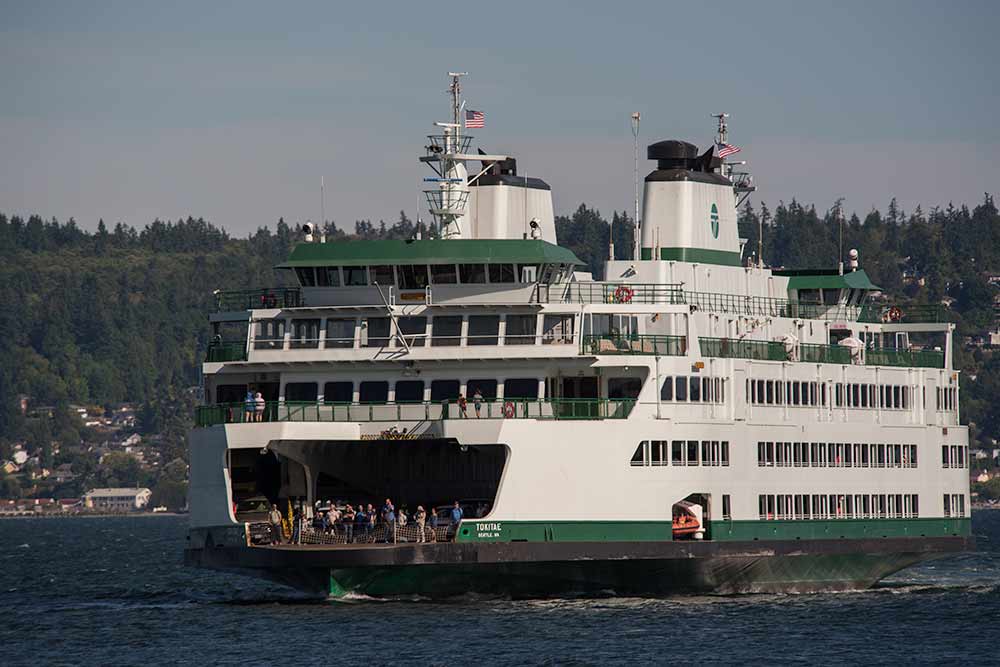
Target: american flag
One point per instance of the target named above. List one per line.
(475, 119)
(725, 150)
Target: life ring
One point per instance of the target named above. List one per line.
(624, 294)
(508, 410)
(895, 314)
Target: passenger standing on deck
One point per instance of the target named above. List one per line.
(248, 406)
(477, 402)
(389, 517)
(275, 518)
(463, 406)
(372, 518)
(456, 517)
(258, 401)
(360, 522)
(347, 519)
(421, 518)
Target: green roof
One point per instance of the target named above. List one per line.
(812, 279)
(438, 251)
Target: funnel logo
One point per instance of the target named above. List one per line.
(715, 221)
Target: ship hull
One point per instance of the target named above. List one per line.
(529, 570)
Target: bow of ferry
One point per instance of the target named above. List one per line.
(695, 422)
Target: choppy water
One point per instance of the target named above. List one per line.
(112, 591)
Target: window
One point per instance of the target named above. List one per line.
(692, 452)
(472, 274)
(725, 452)
(557, 329)
(338, 392)
(445, 390)
(667, 390)
(413, 330)
(443, 274)
(695, 389)
(446, 330)
(628, 388)
(305, 334)
(301, 392)
(339, 333)
(521, 330)
(502, 273)
(328, 276)
(377, 330)
(410, 391)
(270, 335)
(520, 388)
(641, 455)
(412, 276)
(659, 452)
(306, 276)
(488, 388)
(373, 391)
(677, 452)
(382, 275)
(681, 386)
(727, 506)
(355, 276)
(484, 329)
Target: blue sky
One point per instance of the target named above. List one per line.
(233, 111)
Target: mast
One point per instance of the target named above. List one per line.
(635, 178)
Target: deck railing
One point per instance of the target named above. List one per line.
(269, 297)
(226, 350)
(732, 348)
(762, 306)
(905, 358)
(675, 346)
(613, 292)
(515, 408)
(824, 354)
(922, 313)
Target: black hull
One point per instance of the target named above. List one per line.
(580, 568)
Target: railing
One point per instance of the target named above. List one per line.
(515, 408)
(732, 348)
(905, 358)
(226, 350)
(762, 306)
(602, 292)
(674, 346)
(277, 297)
(824, 354)
(904, 314)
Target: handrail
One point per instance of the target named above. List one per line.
(905, 358)
(250, 299)
(226, 350)
(734, 348)
(675, 346)
(513, 408)
(764, 306)
(614, 292)
(893, 314)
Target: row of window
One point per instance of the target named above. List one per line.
(947, 398)
(835, 455)
(954, 456)
(851, 395)
(954, 504)
(681, 453)
(409, 391)
(416, 276)
(694, 389)
(445, 331)
(838, 506)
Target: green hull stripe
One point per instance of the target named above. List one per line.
(647, 531)
(695, 256)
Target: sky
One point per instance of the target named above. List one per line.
(235, 112)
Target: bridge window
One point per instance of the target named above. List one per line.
(338, 392)
(328, 276)
(502, 273)
(412, 276)
(443, 274)
(484, 329)
(472, 274)
(355, 276)
(306, 276)
(382, 274)
(410, 391)
(373, 391)
(301, 392)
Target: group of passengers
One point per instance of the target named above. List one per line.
(253, 407)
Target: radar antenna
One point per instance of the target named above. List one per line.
(743, 183)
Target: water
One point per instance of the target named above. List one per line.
(110, 591)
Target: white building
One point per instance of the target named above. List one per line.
(117, 499)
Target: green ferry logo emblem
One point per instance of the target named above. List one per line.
(715, 221)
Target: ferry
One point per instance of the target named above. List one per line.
(473, 414)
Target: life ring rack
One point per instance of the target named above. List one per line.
(624, 294)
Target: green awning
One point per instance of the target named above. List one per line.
(438, 251)
(799, 280)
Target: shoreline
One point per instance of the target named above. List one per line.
(88, 515)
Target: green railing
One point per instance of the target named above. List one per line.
(731, 348)
(276, 297)
(674, 346)
(288, 411)
(762, 306)
(824, 354)
(922, 313)
(610, 292)
(226, 350)
(905, 358)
